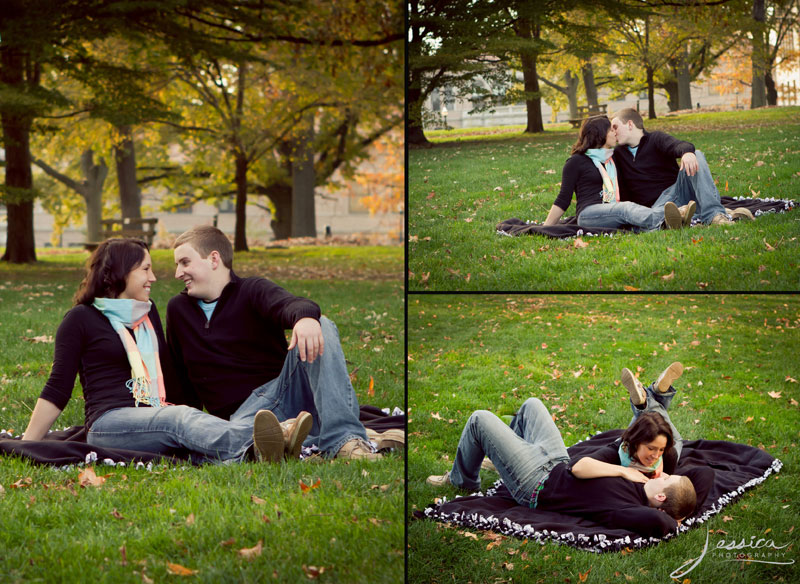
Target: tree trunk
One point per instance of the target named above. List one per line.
(533, 99)
(130, 198)
(415, 135)
(651, 94)
(281, 197)
(95, 176)
(20, 242)
(587, 70)
(684, 81)
(304, 218)
(671, 87)
(758, 90)
(571, 83)
(772, 90)
(240, 234)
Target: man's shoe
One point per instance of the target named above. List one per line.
(487, 464)
(669, 375)
(295, 431)
(392, 439)
(687, 212)
(740, 213)
(357, 449)
(267, 437)
(721, 219)
(634, 387)
(439, 481)
(672, 217)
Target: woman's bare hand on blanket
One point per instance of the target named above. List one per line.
(632, 475)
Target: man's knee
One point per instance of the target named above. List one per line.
(328, 326)
(533, 404)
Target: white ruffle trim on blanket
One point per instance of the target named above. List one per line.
(596, 543)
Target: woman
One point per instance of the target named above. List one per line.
(590, 174)
(113, 339)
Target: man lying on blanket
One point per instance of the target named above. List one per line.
(532, 460)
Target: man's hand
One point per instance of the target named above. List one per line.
(307, 335)
(689, 163)
(633, 475)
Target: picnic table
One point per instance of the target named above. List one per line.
(140, 228)
(585, 111)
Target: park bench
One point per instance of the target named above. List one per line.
(584, 111)
(144, 229)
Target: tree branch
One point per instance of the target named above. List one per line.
(74, 185)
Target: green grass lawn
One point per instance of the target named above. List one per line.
(138, 522)
(472, 179)
(468, 352)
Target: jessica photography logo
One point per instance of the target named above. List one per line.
(755, 550)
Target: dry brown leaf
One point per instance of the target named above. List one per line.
(146, 580)
(253, 552)
(88, 478)
(39, 339)
(774, 394)
(508, 566)
(124, 554)
(769, 247)
(228, 542)
(306, 488)
(116, 514)
(630, 288)
(313, 572)
(582, 577)
(178, 570)
(790, 379)
(669, 276)
(579, 243)
(727, 518)
(190, 519)
(371, 389)
(257, 500)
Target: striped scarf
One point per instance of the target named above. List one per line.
(147, 381)
(605, 164)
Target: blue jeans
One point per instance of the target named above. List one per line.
(699, 188)
(622, 213)
(321, 388)
(659, 402)
(523, 454)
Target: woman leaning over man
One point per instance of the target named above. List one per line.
(112, 338)
(591, 175)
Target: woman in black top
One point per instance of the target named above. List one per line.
(591, 175)
(112, 338)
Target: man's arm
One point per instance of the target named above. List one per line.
(589, 468)
(307, 335)
(643, 520)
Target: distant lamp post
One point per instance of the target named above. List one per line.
(444, 113)
(736, 92)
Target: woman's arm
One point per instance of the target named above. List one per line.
(42, 418)
(589, 468)
(554, 215)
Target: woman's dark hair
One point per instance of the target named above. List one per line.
(107, 268)
(645, 429)
(593, 134)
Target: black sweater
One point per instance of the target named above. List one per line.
(222, 360)
(88, 345)
(610, 501)
(644, 178)
(582, 177)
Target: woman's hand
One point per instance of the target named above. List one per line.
(632, 475)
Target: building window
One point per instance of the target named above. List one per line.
(227, 205)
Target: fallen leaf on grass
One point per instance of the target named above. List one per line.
(124, 554)
(313, 572)
(21, 483)
(228, 542)
(774, 394)
(580, 243)
(790, 379)
(727, 518)
(769, 247)
(749, 419)
(630, 288)
(582, 577)
(697, 240)
(146, 580)
(257, 500)
(436, 416)
(306, 488)
(116, 514)
(371, 390)
(702, 284)
(178, 570)
(469, 534)
(508, 566)
(88, 478)
(669, 276)
(39, 339)
(253, 552)
(2, 490)
(468, 219)
(190, 519)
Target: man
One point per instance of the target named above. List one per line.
(649, 174)
(226, 336)
(533, 462)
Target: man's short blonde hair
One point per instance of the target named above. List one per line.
(205, 239)
(681, 499)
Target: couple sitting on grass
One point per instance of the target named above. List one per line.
(227, 352)
(629, 485)
(641, 185)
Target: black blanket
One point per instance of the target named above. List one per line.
(737, 467)
(66, 447)
(569, 227)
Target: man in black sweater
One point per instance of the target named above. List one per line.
(533, 462)
(648, 171)
(226, 336)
